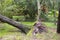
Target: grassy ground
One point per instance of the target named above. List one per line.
(8, 32)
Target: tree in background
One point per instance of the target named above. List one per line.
(31, 9)
(58, 24)
(27, 8)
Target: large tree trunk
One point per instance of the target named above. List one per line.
(14, 23)
(58, 24)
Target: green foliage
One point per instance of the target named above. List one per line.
(4, 5)
(30, 9)
(52, 15)
(11, 8)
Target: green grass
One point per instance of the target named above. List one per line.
(50, 24)
(28, 23)
(5, 28)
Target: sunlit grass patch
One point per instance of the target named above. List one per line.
(28, 23)
(50, 24)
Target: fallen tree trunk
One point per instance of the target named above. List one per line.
(14, 23)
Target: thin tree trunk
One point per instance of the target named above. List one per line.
(14, 23)
(39, 9)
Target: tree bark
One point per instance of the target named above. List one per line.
(14, 23)
(58, 24)
(39, 9)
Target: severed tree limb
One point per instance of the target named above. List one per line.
(14, 23)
